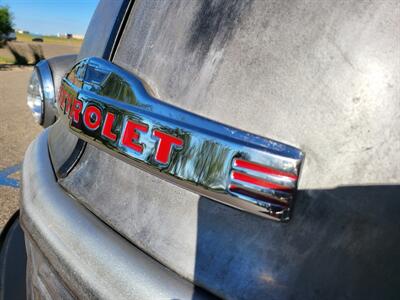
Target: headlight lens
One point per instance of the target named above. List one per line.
(35, 97)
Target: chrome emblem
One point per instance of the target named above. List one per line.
(110, 108)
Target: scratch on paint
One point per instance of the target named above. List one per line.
(5, 180)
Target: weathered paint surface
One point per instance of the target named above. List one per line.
(319, 75)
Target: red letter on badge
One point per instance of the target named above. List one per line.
(130, 135)
(108, 123)
(92, 117)
(61, 98)
(76, 110)
(164, 146)
(68, 103)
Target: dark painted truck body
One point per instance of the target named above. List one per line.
(318, 76)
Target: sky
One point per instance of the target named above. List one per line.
(50, 17)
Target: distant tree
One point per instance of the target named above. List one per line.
(5, 20)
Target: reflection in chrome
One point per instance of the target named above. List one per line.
(110, 108)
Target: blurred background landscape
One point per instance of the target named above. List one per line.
(30, 30)
(25, 51)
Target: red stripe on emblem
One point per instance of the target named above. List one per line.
(257, 195)
(259, 168)
(257, 181)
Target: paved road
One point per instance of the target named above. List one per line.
(17, 130)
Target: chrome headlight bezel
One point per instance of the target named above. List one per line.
(35, 97)
(41, 86)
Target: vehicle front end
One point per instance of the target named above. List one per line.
(240, 150)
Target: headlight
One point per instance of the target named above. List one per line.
(44, 82)
(41, 99)
(35, 99)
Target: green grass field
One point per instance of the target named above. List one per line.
(50, 40)
(6, 60)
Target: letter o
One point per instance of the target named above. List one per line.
(92, 117)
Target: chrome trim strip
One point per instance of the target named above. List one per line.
(201, 151)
